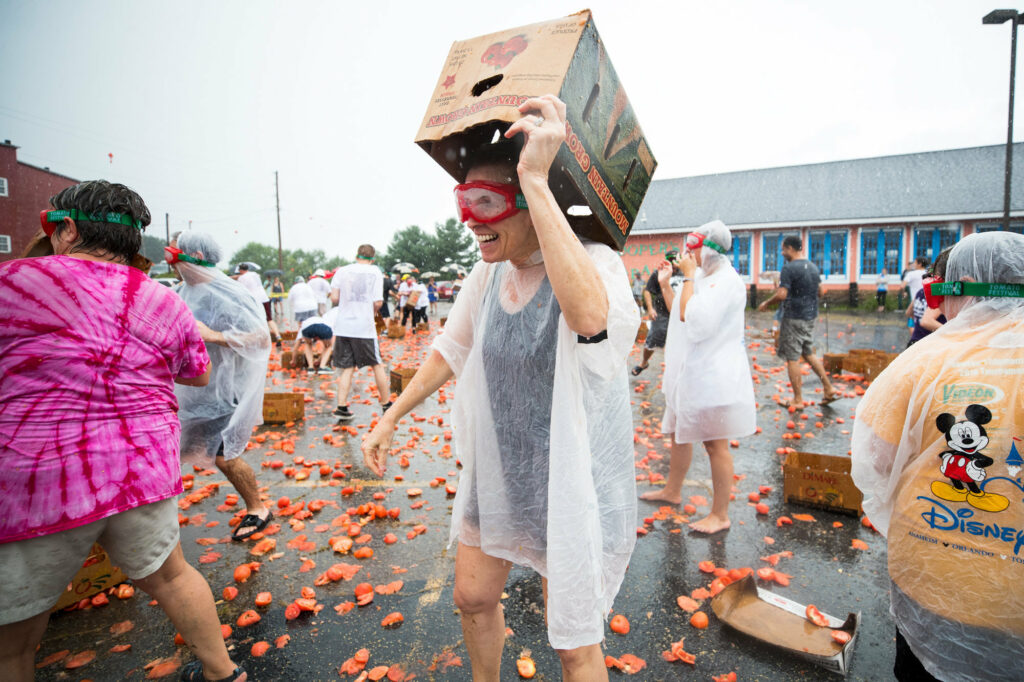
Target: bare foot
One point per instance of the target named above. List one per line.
(662, 495)
(710, 525)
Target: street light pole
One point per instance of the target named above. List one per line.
(1000, 16)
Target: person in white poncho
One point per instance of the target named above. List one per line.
(937, 453)
(538, 340)
(217, 419)
(709, 395)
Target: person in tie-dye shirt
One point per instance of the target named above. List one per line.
(89, 351)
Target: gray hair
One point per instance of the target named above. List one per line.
(194, 243)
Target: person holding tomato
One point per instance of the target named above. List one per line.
(538, 339)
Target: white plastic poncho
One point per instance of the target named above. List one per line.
(709, 394)
(956, 558)
(225, 410)
(578, 527)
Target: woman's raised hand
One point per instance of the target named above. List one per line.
(543, 126)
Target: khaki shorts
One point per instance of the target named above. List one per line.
(795, 339)
(35, 572)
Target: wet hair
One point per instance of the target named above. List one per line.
(242, 267)
(922, 261)
(938, 268)
(365, 251)
(794, 242)
(503, 154)
(195, 243)
(122, 242)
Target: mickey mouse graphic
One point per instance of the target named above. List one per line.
(962, 461)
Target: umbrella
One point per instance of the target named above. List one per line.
(428, 275)
(252, 266)
(454, 268)
(273, 273)
(404, 268)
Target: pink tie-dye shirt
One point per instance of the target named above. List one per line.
(88, 419)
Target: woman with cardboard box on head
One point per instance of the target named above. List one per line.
(538, 339)
(936, 451)
(709, 395)
(90, 349)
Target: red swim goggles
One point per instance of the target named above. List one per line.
(936, 290)
(695, 240)
(487, 202)
(173, 255)
(49, 219)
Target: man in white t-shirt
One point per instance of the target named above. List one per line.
(322, 289)
(254, 285)
(301, 300)
(914, 280)
(357, 290)
(419, 311)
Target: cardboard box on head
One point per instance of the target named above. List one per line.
(603, 170)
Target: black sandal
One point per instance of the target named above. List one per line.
(193, 672)
(250, 521)
(636, 370)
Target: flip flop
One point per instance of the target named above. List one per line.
(784, 403)
(636, 370)
(829, 399)
(193, 672)
(250, 521)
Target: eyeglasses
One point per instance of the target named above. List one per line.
(49, 219)
(173, 255)
(695, 240)
(936, 290)
(487, 202)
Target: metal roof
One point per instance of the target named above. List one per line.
(923, 186)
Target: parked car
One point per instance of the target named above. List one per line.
(444, 290)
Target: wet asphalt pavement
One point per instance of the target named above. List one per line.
(825, 569)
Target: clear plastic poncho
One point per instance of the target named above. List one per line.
(225, 410)
(709, 394)
(937, 452)
(563, 501)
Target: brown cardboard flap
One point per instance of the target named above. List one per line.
(781, 622)
(279, 408)
(821, 481)
(96, 574)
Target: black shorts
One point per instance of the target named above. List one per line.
(266, 309)
(352, 352)
(657, 333)
(318, 331)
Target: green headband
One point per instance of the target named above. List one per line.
(196, 261)
(714, 246)
(978, 289)
(75, 214)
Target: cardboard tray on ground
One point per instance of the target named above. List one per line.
(396, 330)
(822, 482)
(400, 378)
(95, 575)
(833, 362)
(605, 163)
(289, 335)
(781, 622)
(279, 408)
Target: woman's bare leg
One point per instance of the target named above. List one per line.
(479, 582)
(680, 457)
(721, 482)
(582, 664)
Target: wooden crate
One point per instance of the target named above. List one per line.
(833, 362)
(279, 408)
(289, 335)
(400, 378)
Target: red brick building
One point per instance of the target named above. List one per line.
(25, 190)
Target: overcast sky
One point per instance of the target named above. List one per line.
(200, 102)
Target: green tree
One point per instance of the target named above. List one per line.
(297, 262)
(450, 243)
(152, 248)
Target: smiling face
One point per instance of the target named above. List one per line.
(966, 437)
(512, 239)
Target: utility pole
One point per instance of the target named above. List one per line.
(167, 226)
(1001, 16)
(277, 199)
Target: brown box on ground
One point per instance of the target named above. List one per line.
(289, 335)
(400, 378)
(287, 359)
(859, 359)
(821, 481)
(396, 330)
(833, 362)
(782, 622)
(279, 408)
(605, 163)
(380, 323)
(423, 327)
(874, 364)
(95, 575)
(443, 320)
